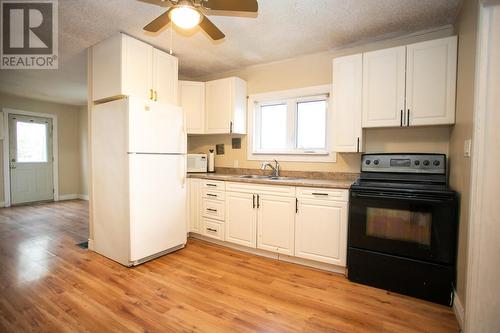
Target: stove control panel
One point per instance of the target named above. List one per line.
(404, 163)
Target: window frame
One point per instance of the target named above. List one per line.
(291, 98)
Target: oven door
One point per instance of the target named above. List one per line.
(422, 227)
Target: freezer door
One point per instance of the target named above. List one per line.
(157, 203)
(155, 127)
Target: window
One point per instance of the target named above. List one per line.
(291, 126)
(31, 142)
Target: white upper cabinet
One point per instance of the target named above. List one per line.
(225, 106)
(192, 100)
(431, 82)
(125, 66)
(346, 100)
(165, 77)
(384, 87)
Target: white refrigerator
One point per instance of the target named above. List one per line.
(138, 163)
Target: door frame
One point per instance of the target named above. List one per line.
(6, 151)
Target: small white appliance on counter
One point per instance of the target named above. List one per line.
(196, 163)
(138, 178)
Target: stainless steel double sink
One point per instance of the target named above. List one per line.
(266, 177)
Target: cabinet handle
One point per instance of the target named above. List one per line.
(156, 95)
(258, 201)
(212, 195)
(408, 118)
(213, 185)
(212, 229)
(253, 200)
(231, 127)
(212, 210)
(151, 94)
(317, 193)
(357, 149)
(296, 205)
(401, 119)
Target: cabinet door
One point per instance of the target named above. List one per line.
(218, 106)
(431, 82)
(137, 79)
(346, 95)
(165, 77)
(321, 231)
(275, 224)
(192, 101)
(241, 218)
(194, 204)
(384, 87)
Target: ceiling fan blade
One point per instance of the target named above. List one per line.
(160, 3)
(158, 22)
(211, 29)
(233, 5)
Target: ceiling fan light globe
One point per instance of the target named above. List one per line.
(185, 17)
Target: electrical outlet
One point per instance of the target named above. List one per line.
(467, 147)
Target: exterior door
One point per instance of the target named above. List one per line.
(31, 159)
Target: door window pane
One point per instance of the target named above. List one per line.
(311, 125)
(31, 142)
(273, 127)
(398, 224)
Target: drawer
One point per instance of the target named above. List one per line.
(280, 190)
(213, 209)
(214, 195)
(323, 193)
(214, 185)
(213, 229)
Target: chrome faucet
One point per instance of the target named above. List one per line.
(276, 168)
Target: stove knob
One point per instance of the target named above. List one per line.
(426, 162)
(417, 162)
(368, 162)
(436, 163)
(376, 162)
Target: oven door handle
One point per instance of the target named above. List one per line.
(397, 196)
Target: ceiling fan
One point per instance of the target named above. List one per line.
(186, 14)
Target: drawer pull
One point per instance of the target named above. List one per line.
(211, 229)
(212, 210)
(324, 194)
(212, 195)
(213, 185)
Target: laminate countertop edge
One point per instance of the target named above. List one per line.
(297, 182)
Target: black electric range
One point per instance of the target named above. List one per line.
(403, 226)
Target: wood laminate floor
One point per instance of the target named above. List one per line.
(48, 283)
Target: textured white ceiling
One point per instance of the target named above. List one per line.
(282, 29)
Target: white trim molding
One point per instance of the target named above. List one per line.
(73, 197)
(458, 309)
(319, 156)
(6, 148)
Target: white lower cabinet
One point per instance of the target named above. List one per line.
(309, 223)
(275, 224)
(194, 205)
(321, 229)
(241, 218)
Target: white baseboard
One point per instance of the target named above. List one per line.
(63, 197)
(271, 255)
(458, 308)
(91, 245)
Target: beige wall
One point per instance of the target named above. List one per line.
(466, 28)
(68, 119)
(316, 69)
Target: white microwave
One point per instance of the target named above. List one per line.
(197, 163)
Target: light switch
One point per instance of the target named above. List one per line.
(467, 147)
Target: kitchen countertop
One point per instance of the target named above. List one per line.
(293, 181)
